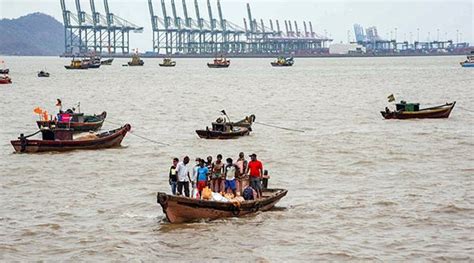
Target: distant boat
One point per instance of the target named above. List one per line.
(222, 129)
(77, 64)
(413, 111)
(219, 63)
(136, 61)
(283, 62)
(43, 74)
(167, 62)
(469, 62)
(107, 62)
(4, 71)
(93, 62)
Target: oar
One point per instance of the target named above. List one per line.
(278, 127)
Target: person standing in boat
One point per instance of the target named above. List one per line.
(59, 104)
(255, 171)
(173, 176)
(231, 170)
(202, 173)
(183, 177)
(242, 179)
(194, 177)
(217, 173)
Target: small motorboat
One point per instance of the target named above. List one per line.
(4, 71)
(43, 74)
(167, 62)
(283, 62)
(93, 62)
(136, 61)
(413, 111)
(224, 129)
(77, 64)
(469, 62)
(221, 62)
(107, 62)
(62, 140)
(78, 122)
(180, 209)
(5, 79)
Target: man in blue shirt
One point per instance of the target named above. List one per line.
(202, 172)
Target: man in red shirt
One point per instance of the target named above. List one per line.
(255, 170)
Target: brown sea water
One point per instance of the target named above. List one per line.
(360, 187)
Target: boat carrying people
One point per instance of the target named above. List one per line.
(469, 62)
(60, 139)
(223, 128)
(167, 62)
(283, 62)
(77, 64)
(228, 201)
(43, 74)
(71, 119)
(221, 62)
(406, 110)
(136, 61)
(5, 79)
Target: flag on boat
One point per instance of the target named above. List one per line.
(391, 98)
(38, 110)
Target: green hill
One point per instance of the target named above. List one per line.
(35, 34)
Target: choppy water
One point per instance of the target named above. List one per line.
(360, 188)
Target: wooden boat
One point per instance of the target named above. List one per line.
(136, 61)
(43, 74)
(412, 111)
(180, 209)
(283, 62)
(77, 64)
(5, 79)
(4, 71)
(62, 140)
(223, 129)
(167, 62)
(232, 133)
(107, 62)
(219, 63)
(78, 122)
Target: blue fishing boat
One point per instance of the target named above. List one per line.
(469, 62)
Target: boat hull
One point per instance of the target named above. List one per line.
(209, 134)
(179, 209)
(76, 126)
(467, 64)
(109, 139)
(107, 62)
(275, 64)
(211, 65)
(167, 65)
(4, 71)
(81, 67)
(438, 112)
(5, 81)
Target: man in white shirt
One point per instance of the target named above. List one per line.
(183, 177)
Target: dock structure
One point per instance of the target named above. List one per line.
(373, 43)
(95, 33)
(216, 35)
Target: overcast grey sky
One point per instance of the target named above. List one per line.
(336, 17)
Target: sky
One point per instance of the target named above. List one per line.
(334, 17)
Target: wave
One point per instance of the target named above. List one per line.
(452, 208)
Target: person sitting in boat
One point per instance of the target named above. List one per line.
(387, 110)
(231, 171)
(202, 173)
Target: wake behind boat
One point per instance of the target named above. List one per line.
(62, 140)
